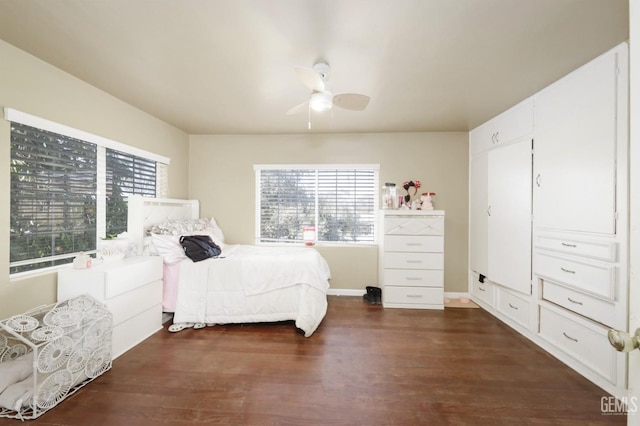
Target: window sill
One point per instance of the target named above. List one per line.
(319, 245)
(19, 276)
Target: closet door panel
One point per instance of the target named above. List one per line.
(478, 204)
(575, 150)
(509, 216)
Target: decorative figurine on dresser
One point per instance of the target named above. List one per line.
(411, 259)
(131, 288)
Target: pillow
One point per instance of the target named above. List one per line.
(216, 231)
(179, 227)
(15, 370)
(188, 227)
(168, 246)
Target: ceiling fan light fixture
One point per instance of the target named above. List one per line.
(321, 101)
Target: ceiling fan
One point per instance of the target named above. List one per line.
(321, 99)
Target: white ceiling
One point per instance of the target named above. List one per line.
(226, 66)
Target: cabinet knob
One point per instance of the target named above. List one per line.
(623, 341)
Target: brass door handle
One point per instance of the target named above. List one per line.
(623, 341)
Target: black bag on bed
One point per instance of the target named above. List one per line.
(199, 247)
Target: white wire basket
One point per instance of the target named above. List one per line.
(50, 352)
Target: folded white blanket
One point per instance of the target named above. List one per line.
(17, 395)
(16, 370)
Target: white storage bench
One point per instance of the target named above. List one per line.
(50, 352)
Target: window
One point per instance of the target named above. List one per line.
(56, 176)
(53, 202)
(126, 175)
(340, 201)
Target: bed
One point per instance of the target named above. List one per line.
(245, 284)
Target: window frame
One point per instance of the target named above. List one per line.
(316, 167)
(102, 144)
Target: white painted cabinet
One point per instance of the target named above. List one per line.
(511, 125)
(500, 206)
(576, 195)
(509, 216)
(478, 214)
(411, 259)
(131, 289)
(575, 149)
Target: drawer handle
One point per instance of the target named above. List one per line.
(574, 301)
(568, 245)
(569, 337)
(414, 296)
(414, 261)
(568, 271)
(414, 279)
(513, 307)
(481, 289)
(414, 244)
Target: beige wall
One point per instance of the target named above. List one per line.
(221, 176)
(35, 87)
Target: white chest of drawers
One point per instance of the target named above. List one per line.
(411, 263)
(131, 289)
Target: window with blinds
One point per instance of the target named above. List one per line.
(126, 175)
(53, 198)
(55, 208)
(340, 201)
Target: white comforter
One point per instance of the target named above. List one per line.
(255, 284)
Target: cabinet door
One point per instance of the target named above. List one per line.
(575, 150)
(478, 204)
(509, 215)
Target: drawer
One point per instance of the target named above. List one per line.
(483, 291)
(414, 225)
(134, 273)
(605, 250)
(413, 295)
(398, 260)
(408, 243)
(127, 305)
(413, 277)
(133, 331)
(597, 309)
(587, 343)
(595, 278)
(513, 307)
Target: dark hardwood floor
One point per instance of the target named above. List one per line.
(364, 366)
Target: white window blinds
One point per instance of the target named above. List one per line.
(340, 201)
(68, 188)
(53, 203)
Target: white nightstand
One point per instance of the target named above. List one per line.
(130, 288)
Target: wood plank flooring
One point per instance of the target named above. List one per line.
(364, 366)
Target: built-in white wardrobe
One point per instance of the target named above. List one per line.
(548, 218)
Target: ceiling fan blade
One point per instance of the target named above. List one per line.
(352, 101)
(310, 78)
(298, 108)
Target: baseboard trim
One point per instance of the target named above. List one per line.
(354, 292)
(345, 292)
(456, 295)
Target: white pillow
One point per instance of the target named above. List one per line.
(168, 246)
(15, 370)
(216, 231)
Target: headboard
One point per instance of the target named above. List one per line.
(144, 212)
